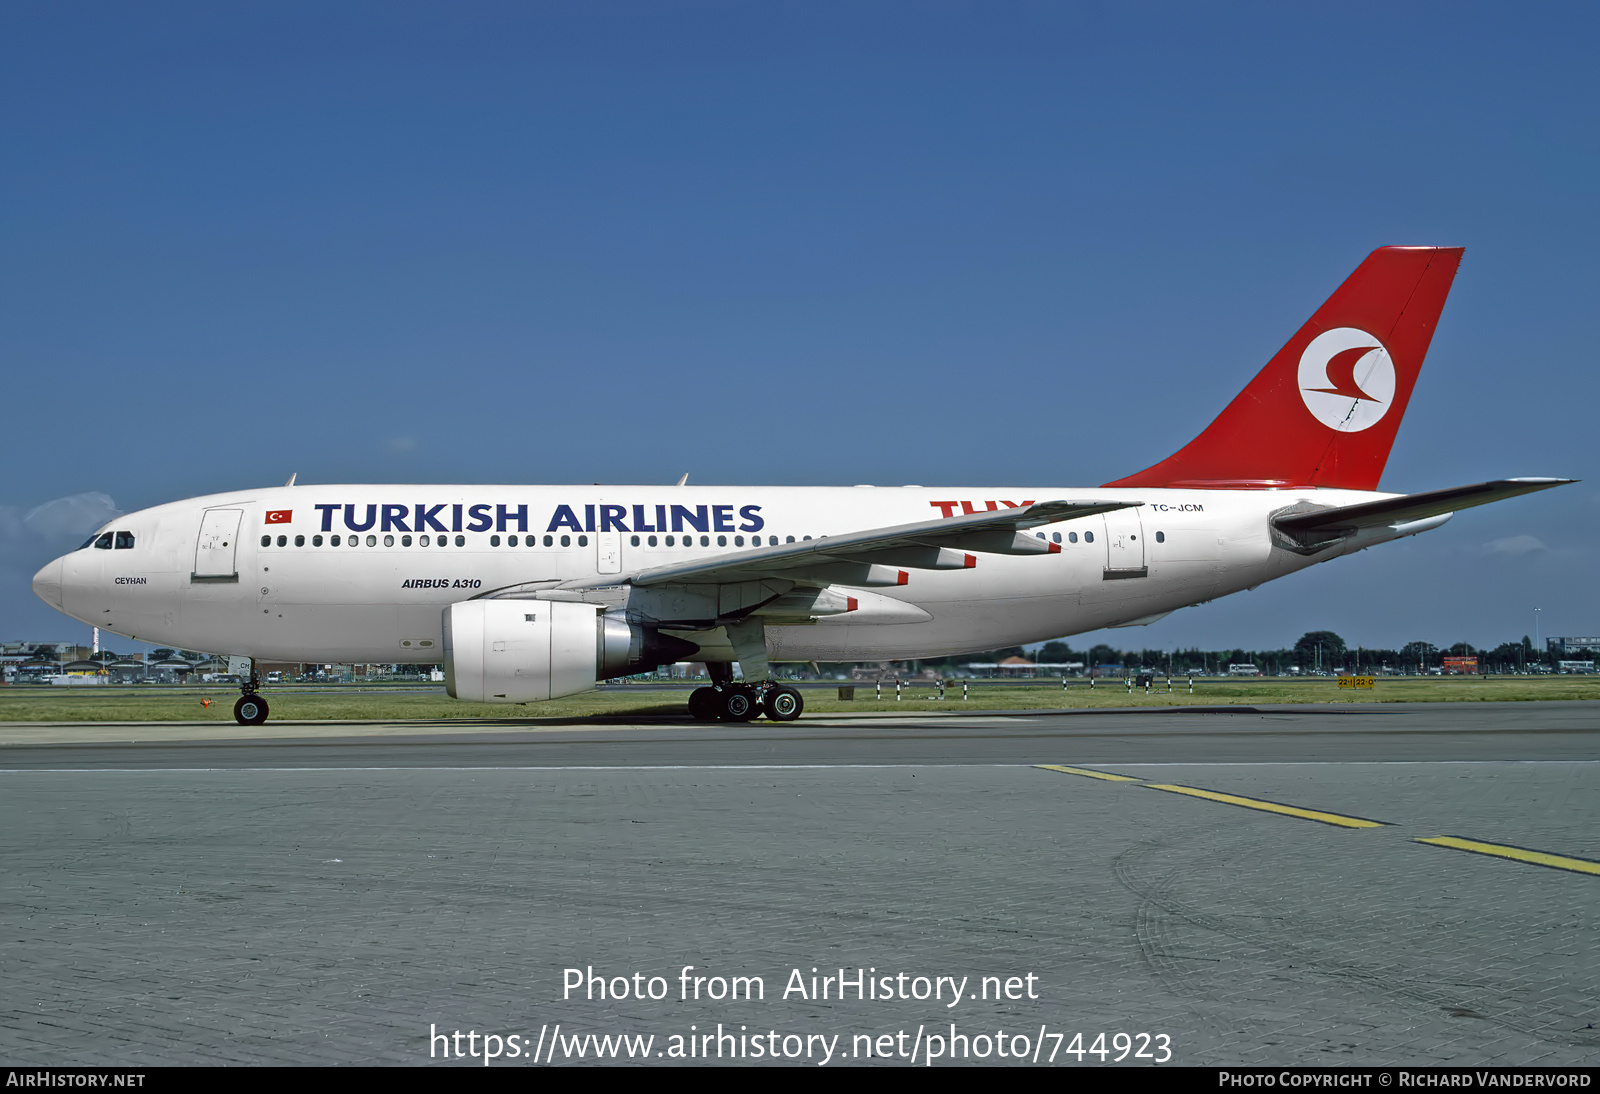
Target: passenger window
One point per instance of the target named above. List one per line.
(652, 541)
(1039, 534)
(1088, 537)
(1056, 536)
(635, 541)
(705, 541)
(124, 541)
(722, 541)
(670, 541)
(405, 541)
(333, 541)
(266, 541)
(549, 541)
(103, 543)
(1072, 537)
(789, 539)
(283, 541)
(1161, 537)
(461, 541)
(388, 541)
(494, 541)
(422, 541)
(583, 541)
(738, 541)
(566, 541)
(299, 541)
(372, 541)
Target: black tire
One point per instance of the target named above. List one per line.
(703, 704)
(784, 704)
(250, 710)
(738, 705)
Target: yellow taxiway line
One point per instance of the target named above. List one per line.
(1520, 854)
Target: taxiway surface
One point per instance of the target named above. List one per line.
(1355, 884)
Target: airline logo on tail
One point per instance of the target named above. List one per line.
(1347, 379)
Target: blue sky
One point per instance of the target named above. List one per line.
(946, 243)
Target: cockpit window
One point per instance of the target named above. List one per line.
(124, 541)
(88, 542)
(104, 542)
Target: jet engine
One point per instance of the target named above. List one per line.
(524, 651)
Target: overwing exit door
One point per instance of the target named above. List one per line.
(608, 556)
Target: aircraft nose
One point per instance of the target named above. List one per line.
(47, 583)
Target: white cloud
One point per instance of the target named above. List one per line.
(71, 517)
(1513, 546)
(61, 521)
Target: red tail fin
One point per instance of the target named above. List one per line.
(1325, 410)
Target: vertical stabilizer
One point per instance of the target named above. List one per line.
(1325, 410)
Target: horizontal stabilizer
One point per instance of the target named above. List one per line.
(1322, 524)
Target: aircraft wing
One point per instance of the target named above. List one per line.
(881, 555)
(1408, 507)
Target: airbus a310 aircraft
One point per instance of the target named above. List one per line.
(528, 593)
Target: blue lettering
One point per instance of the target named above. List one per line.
(722, 517)
(751, 513)
(564, 518)
(695, 518)
(455, 517)
(481, 521)
(424, 519)
(502, 515)
(588, 518)
(327, 516)
(661, 519)
(612, 518)
(350, 518)
(394, 518)
(639, 524)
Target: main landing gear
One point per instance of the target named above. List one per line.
(732, 702)
(251, 709)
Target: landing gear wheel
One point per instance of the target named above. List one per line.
(703, 704)
(738, 705)
(250, 710)
(783, 704)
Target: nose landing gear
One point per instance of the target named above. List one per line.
(251, 709)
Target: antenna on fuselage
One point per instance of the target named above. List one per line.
(291, 479)
(685, 480)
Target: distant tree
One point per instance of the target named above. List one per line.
(1055, 653)
(1327, 641)
(162, 654)
(1421, 653)
(104, 656)
(1104, 655)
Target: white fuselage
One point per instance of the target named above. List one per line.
(404, 553)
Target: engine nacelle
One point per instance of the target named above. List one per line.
(525, 651)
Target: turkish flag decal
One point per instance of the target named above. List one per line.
(279, 516)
